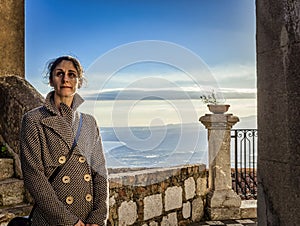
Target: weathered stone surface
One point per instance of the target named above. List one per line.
(219, 126)
(127, 213)
(189, 188)
(156, 200)
(197, 209)
(17, 96)
(153, 206)
(248, 212)
(112, 201)
(221, 194)
(11, 192)
(6, 214)
(201, 189)
(153, 223)
(278, 57)
(170, 220)
(248, 209)
(224, 213)
(12, 37)
(186, 210)
(223, 198)
(6, 168)
(173, 198)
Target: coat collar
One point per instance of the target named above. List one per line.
(50, 106)
(58, 123)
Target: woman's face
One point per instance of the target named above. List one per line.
(64, 79)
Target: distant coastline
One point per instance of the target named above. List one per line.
(176, 144)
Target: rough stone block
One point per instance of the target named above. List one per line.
(153, 223)
(197, 209)
(201, 186)
(11, 192)
(249, 209)
(112, 201)
(115, 182)
(152, 206)
(127, 213)
(6, 168)
(224, 213)
(189, 188)
(186, 210)
(224, 198)
(173, 198)
(248, 213)
(170, 220)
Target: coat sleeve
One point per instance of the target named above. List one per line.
(34, 178)
(99, 214)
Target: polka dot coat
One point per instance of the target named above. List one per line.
(80, 190)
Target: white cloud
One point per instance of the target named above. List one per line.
(235, 75)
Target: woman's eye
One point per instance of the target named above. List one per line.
(59, 74)
(72, 75)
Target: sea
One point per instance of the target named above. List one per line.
(159, 146)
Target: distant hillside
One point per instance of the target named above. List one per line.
(168, 145)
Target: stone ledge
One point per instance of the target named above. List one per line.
(7, 213)
(148, 176)
(249, 209)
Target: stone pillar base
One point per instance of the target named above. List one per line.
(223, 205)
(224, 213)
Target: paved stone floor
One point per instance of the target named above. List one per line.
(242, 222)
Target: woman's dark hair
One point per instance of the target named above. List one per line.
(54, 62)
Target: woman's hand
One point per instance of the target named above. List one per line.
(79, 223)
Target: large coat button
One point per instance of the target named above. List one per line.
(87, 177)
(88, 197)
(62, 159)
(69, 200)
(81, 159)
(66, 179)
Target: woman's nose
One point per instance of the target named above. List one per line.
(65, 78)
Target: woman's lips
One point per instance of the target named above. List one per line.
(66, 87)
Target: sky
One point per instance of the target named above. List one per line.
(143, 58)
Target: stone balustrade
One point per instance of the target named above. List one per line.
(158, 196)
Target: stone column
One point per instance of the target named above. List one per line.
(278, 115)
(223, 202)
(12, 38)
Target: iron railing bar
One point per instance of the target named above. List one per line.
(245, 164)
(235, 159)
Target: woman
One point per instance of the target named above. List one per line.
(79, 192)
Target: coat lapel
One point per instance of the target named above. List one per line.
(60, 127)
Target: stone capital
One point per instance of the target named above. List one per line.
(218, 121)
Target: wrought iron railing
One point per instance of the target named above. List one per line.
(244, 159)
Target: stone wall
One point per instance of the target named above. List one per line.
(12, 37)
(159, 196)
(17, 96)
(278, 70)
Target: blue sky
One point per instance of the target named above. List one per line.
(220, 32)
